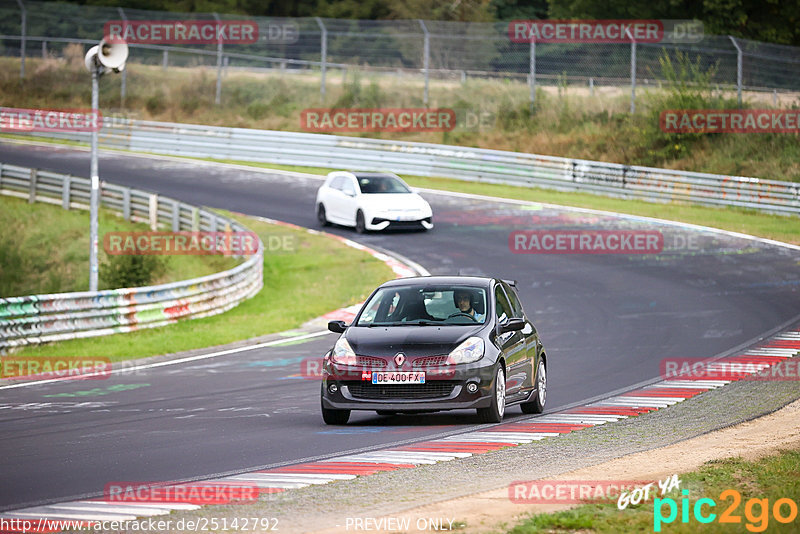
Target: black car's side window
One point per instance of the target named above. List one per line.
(516, 305)
(502, 306)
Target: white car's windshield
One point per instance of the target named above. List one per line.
(381, 184)
(423, 306)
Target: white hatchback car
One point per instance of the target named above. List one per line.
(371, 201)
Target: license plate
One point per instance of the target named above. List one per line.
(406, 218)
(397, 378)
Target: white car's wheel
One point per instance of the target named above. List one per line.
(322, 217)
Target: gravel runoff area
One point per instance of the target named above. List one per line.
(328, 506)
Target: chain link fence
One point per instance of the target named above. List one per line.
(412, 50)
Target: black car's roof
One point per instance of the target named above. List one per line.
(479, 281)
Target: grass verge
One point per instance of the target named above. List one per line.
(45, 249)
(760, 484)
(314, 276)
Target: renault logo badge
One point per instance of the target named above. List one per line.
(399, 359)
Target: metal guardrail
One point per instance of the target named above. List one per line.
(464, 163)
(38, 319)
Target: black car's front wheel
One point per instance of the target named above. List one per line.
(494, 412)
(335, 417)
(539, 400)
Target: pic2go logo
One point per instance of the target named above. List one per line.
(756, 511)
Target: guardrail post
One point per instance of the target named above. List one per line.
(1, 175)
(65, 190)
(212, 223)
(532, 75)
(195, 219)
(23, 41)
(176, 216)
(126, 204)
(123, 88)
(738, 70)
(153, 212)
(32, 190)
(218, 97)
(323, 57)
(426, 56)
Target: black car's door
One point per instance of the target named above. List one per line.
(512, 346)
(530, 335)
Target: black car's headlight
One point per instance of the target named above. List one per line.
(471, 350)
(342, 353)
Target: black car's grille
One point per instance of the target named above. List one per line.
(429, 390)
(429, 361)
(370, 361)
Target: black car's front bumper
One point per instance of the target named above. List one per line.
(445, 390)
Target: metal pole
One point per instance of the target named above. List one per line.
(738, 70)
(165, 60)
(633, 75)
(123, 89)
(24, 33)
(217, 97)
(323, 57)
(426, 59)
(532, 75)
(95, 190)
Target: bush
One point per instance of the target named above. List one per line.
(131, 271)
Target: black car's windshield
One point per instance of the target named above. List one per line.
(425, 306)
(370, 184)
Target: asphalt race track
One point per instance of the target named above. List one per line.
(607, 321)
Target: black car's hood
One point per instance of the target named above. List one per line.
(387, 341)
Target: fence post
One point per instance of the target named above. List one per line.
(426, 53)
(532, 75)
(591, 86)
(123, 88)
(44, 49)
(165, 59)
(176, 216)
(24, 35)
(323, 57)
(738, 70)
(633, 74)
(217, 97)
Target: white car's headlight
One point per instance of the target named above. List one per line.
(342, 353)
(471, 350)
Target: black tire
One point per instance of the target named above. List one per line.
(321, 217)
(361, 225)
(335, 417)
(494, 413)
(540, 399)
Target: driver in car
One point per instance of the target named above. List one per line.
(465, 302)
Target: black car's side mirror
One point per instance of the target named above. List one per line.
(337, 326)
(512, 325)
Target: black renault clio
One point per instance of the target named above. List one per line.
(436, 343)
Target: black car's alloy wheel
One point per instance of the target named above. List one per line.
(494, 413)
(539, 400)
